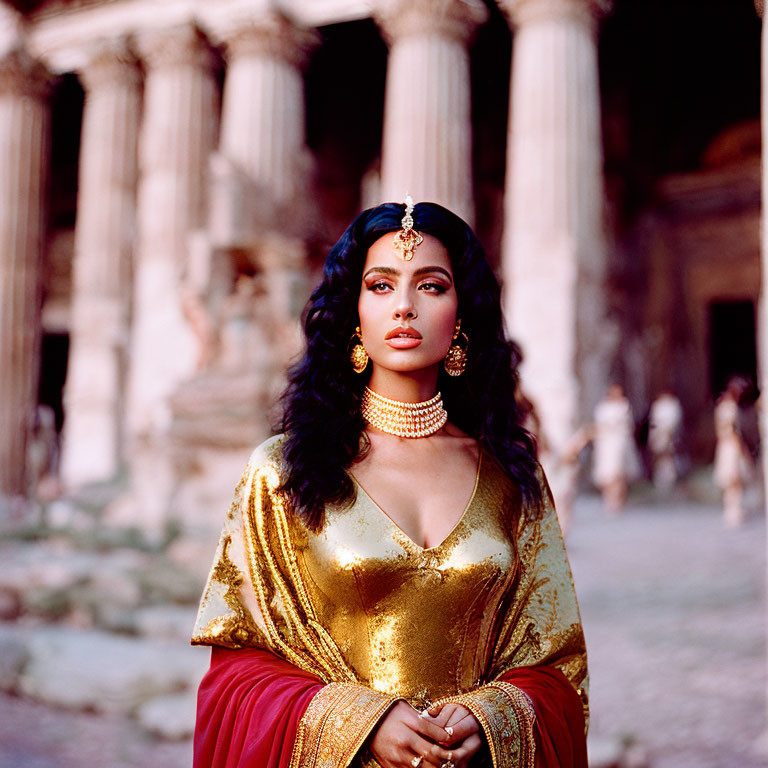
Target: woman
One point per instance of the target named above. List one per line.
(615, 461)
(665, 420)
(443, 631)
(733, 463)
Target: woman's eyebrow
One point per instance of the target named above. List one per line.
(425, 270)
(382, 270)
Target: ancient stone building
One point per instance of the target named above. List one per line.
(172, 173)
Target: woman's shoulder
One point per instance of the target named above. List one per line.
(267, 457)
(525, 509)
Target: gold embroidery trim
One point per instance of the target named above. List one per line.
(335, 725)
(507, 718)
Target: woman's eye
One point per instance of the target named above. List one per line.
(379, 287)
(432, 287)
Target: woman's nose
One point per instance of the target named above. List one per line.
(404, 309)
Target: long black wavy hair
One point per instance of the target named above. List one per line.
(321, 404)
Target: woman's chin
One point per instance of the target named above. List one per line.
(401, 363)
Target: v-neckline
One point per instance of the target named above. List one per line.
(450, 533)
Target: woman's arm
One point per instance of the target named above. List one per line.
(542, 625)
(255, 595)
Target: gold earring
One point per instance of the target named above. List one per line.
(358, 357)
(455, 361)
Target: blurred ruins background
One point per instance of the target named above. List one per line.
(172, 175)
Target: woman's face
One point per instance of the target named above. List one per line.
(407, 308)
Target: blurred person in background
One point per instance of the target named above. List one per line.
(562, 469)
(391, 587)
(733, 461)
(566, 474)
(615, 460)
(43, 455)
(664, 423)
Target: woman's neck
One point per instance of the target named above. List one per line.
(408, 387)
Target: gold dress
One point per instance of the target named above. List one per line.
(379, 618)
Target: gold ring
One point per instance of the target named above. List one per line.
(449, 730)
(416, 762)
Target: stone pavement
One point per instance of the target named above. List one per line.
(674, 613)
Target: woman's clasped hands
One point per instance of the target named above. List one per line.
(445, 736)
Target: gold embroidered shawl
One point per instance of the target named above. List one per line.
(360, 605)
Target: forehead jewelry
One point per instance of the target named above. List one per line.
(407, 238)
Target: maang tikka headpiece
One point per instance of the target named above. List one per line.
(407, 238)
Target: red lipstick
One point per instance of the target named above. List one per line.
(403, 338)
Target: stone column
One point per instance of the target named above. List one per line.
(24, 152)
(427, 142)
(553, 243)
(177, 137)
(262, 120)
(263, 146)
(102, 279)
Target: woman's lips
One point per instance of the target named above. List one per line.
(403, 342)
(403, 338)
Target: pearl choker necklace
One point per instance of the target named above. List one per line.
(404, 419)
